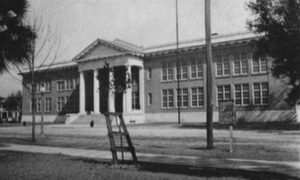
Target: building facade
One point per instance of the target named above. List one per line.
(73, 89)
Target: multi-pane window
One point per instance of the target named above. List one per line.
(47, 105)
(135, 100)
(259, 66)
(196, 69)
(182, 73)
(167, 98)
(182, 97)
(70, 83)
(60, 85)
(47, 86)
(38, 104)
(241, 93)
(61, 101)
(223, 93)
(222, 66)
(240, 64)
(261, 93)
(197, 97)
(167, 72)
(149, 99)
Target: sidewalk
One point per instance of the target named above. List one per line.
(289, 168)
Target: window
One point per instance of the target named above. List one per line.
(182, 71)
(259, 66)
(135, 100)
(222, 66)
(196, 69)
(38, 105)
(60, 85)
(197, 97)
(167, 98)
(30, 106)
(70, 84)
(47, 105)
(182, 97)
(241, 94)
(167, 72)
(48, 86)
(61, 101)
(149, 73)
(223, 93)
(261, 93)
(149, 97)
(240, 64)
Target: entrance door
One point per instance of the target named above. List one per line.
(103, 100)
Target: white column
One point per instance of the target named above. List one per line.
(81, 93)
(111, 95)
(142, 88)
(96, 92)
(128, 105)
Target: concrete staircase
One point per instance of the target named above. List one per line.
(86, 119)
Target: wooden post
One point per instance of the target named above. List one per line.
(177, 62)
(209, 78)
(231, 138)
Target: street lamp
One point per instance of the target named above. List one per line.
(42, 90)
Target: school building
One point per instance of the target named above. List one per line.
(73, 92)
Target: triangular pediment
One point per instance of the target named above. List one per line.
(103, 49)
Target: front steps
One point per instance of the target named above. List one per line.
(85, 119)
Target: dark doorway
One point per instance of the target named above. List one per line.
(119, 102)
(104, 91)
(89, 106)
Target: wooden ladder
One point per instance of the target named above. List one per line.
(119, 131)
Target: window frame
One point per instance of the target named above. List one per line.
(58, 87)
(168, 98)
(198, 69)
(261, 92)
(197, 94)
(240, 58)
(224, 92)
(149, 99)
(169, 71)
(242, 91)
(222, 60)
(182, 95)
(260, 71)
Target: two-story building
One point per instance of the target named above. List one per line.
(74, 91)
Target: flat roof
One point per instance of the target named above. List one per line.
(157, 49)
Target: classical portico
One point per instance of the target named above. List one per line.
(91, 61)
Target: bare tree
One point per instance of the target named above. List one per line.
(46, 49)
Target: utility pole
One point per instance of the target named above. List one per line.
(209, 78)
(177, 62)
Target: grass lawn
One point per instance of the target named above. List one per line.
(18, 165)
(276, 145)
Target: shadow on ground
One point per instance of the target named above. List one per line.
(209, 172)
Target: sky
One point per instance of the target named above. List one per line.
(142, 22)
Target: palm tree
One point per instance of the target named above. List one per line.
(16, 38)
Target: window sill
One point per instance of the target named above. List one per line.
(169, 81)
(222, 77)
(197, 107)
(240, 75)
(259, 73)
